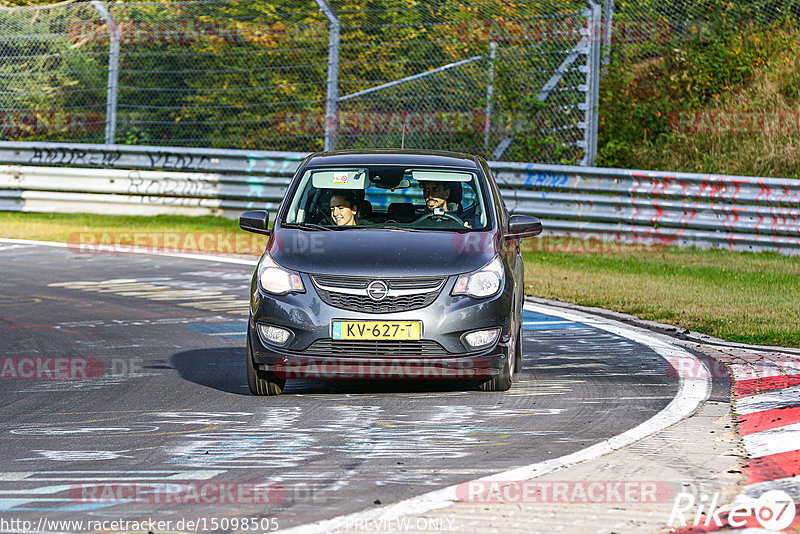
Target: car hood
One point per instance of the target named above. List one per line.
(387, 253)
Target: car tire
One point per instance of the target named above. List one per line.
(502, 382)
(261, 382)
(518, 347)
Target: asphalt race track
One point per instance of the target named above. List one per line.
(124, 398)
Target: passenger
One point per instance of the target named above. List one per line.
(344, 208)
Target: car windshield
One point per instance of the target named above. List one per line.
(413, 198)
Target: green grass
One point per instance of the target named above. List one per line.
(208, 234)
(743, 297)
(59, 226)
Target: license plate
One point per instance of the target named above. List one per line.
(371, 330)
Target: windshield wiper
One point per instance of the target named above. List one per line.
(307, 226)
(403, 228)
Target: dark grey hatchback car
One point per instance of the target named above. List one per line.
(388, 264)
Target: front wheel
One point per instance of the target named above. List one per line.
(502, 382)
(518, 347)
(261, 382)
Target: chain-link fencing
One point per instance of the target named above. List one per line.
(50, 86)
(505, 79)
(511, 80)
(216, 74)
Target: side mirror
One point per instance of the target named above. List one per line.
(255, 221)
(520, 226)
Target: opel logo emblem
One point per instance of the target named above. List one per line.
(377, 290)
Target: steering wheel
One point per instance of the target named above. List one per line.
(440, 217)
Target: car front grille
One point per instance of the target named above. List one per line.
(404, 294)
(366, 304)
(377, 349)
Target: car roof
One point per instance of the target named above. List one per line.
(392, 157)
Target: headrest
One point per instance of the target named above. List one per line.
(456, 192)
(365, 209)
(401, 210)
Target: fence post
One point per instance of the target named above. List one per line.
(332, 105)
(489, 92)
(113, 71)
(594, 35)
(608, 21)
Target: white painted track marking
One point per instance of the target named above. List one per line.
(773, 441)
(198, 256)
(780, 398)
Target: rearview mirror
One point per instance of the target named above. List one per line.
(255, 221)
(520, 226)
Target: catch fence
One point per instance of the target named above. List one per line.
(509, 80)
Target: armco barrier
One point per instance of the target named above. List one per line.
(737, 212)
(54, 177)
(135, 192)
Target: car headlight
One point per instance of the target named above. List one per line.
(485, 282)
(276, 280)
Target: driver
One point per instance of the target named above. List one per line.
(436, 195)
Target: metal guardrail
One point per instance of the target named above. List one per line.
(650, 207)
(134, 192)
(149, 157)
(737, 212)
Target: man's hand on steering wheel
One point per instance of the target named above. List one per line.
(442, 217)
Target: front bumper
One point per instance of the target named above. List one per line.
(440, 354)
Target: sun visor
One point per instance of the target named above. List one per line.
(440, 176)
(340, 179)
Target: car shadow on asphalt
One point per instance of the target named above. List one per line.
(223, 369)
(218, 368)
